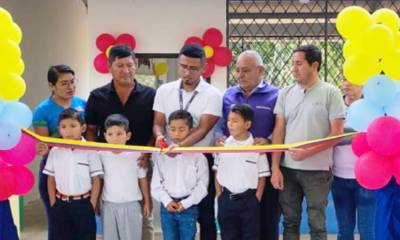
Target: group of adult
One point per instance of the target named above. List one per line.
(305, 110)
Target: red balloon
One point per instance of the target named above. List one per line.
(126, 39)
(209, 69)
(23, 153)
(7, 183)
(222, 56)
(105, 40)
(212, 37)
(359, 144)
(24, 179)
(193, 39)
(373, 171)
(2, 163)
(383, 136)
(101, 63)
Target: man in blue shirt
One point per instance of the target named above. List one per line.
(261, 96)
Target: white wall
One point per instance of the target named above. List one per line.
(159, 26)
(53, 32)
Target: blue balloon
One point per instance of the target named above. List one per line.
(380, 90)
(10, 134)
(2, 104)
(17, 113)
(362, 113)
(394, 108)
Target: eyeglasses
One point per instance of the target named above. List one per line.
(189, 68)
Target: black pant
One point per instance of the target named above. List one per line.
(206, 218)
(270, 212)
(74, 220)
(239, 217)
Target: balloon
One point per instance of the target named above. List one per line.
(378, 41)
(359, 144)
(2, 104)
(24, 179)
(396, 36)
(209, 51)
(192, 40)
(387, 17)
(9, 51)
(5, 17)
(17, 113)
(10, 135)
(2, 163)
(222, 56)
(160, 69)
(394, 108)
(373, 171)
(14, 33)
(351, 48)
(358, 69)
(380, 90)
(212, 37)
(104, 40)
(23, 153)
(209, 69)
(7, 183)
(17, 67)
(391, 64)
(361, 113)
(12, 86)
(396, 168)
(352, 21)
(383, 136)
(101, 63)
(127, 39)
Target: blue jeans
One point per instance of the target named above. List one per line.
(353, 202)
(179, 226)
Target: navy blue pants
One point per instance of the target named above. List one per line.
(7, 228)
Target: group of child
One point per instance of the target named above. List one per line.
(179, 182)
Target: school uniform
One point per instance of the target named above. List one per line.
(73, 214)
(121, 212)
(184, 179)
(238, 207)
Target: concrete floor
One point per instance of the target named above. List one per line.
(35, 224)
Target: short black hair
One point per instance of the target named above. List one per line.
(193, 51)
(312, 54)
(71, 113)
(181, 114)
(120, 51)
(244, 110)
(117, 120)
(55, 71)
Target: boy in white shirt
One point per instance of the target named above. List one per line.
(240, 180)
(179, 182)
(73, 182)
(125, 184)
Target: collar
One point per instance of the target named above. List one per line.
(200, 87)
(137, 88)
(311, 88)
(262, 87)
(248, 141)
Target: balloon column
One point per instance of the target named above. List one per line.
(16, 150)
(216, 55)
(104, 42)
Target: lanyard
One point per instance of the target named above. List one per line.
(189, 102)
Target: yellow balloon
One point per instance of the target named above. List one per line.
(12, 86)
(5, 17)
(14, 33)
(353, 21)
(378, 41)
(160, 69)
(17, 67)
(351, 48)
(391, 65)
(387, 17)
(358, 69)
(9, 51)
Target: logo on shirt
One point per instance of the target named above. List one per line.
(263, 107)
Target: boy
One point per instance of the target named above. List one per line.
(240, 180)
(73, 182)
(125, 184)
(179, 182)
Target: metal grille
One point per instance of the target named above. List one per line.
(275, 28)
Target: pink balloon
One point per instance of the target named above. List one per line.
(383, 136)
(100, 63)
(105, 40)
(7, 183)
(222, 56)
(192, 40)
(24, 179)
(209, 69)
(23, 153)
(373, 171)
(359, 144)
(2, 163)
(126, 39)
(212, 37)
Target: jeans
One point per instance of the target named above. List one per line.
(352, 202)
(179, 226)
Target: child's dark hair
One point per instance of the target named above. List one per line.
(181, 114)
(244, 110)
(117, 120)
(71, 113)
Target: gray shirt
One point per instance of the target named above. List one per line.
(307, 115)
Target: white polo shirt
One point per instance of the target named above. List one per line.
(185, 175)
(208, 100)
(121, 177)
(73, 169)
(239, 172)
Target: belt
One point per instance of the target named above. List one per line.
(68, 198)
(237, 196)
(179, 199)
